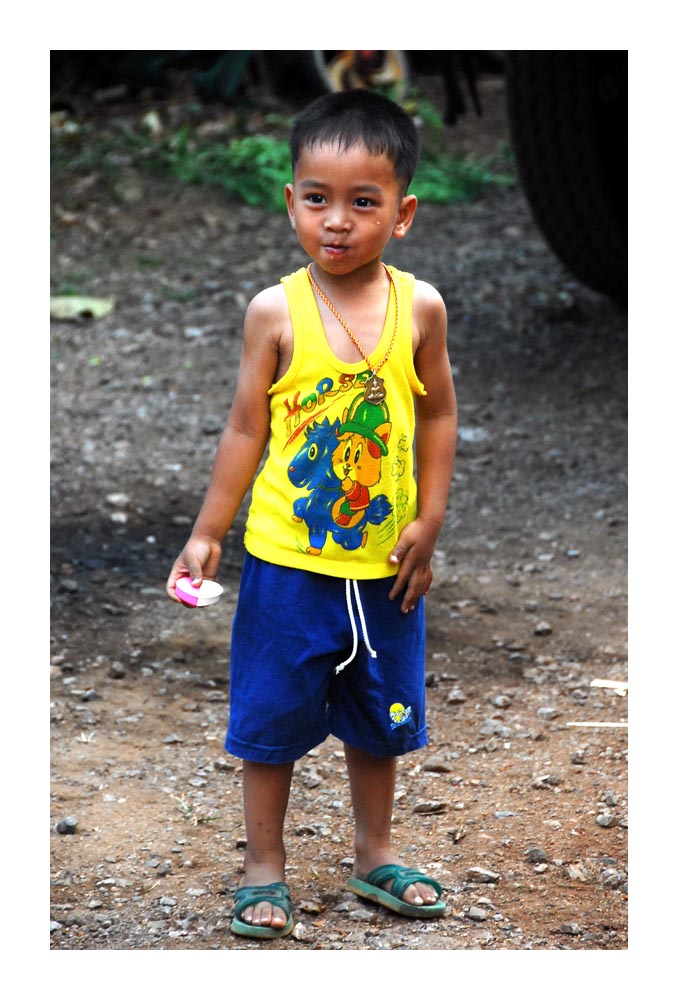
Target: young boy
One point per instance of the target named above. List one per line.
(337, 361)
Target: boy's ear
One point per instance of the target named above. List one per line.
(289, 199)
(408, 207)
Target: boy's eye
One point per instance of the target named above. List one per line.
(364, 202)
(316, 199)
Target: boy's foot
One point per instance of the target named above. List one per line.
(404, 890)
(263, 911)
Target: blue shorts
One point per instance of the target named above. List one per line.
(292, 630)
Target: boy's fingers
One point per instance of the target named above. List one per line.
(416, 584)
(199, 561)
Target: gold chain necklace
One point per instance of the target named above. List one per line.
(374, 387)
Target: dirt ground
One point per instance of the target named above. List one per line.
(518, 805)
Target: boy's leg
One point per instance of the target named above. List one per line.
(266, 790)
(372, 781)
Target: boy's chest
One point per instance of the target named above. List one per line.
(360, 335)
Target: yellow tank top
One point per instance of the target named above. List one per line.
(338, 485)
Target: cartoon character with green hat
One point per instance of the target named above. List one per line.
(362, 442)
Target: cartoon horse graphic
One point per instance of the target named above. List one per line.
(311, 469)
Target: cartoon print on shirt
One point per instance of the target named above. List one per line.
(338, 463)
(363, 440)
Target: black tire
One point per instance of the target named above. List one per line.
(567, 116)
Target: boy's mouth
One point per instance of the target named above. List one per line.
(335, 249)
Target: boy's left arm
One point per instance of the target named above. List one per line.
(435, 448)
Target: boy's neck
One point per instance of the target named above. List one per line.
(363, 278)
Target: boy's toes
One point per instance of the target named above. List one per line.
(420, 894)
(428, 894)
(278, 917)
(264, 915)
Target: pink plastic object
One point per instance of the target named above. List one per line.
(208, 592)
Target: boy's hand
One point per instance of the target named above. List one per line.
(199, 559)
(413, 553)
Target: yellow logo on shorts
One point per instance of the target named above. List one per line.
(399, 714)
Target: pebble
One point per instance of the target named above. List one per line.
(476, 913)
(612, 877)
(310, 906)
(570, 928)
(456, 833)
(606, 819)
(436, 764)
(493, 727)
(456, 697)
(472, 435)
(430, 807)
(536, 855)
(543, 628)
(118, 499)
(577, 873)
(482, 875)
(67, 825)
(546, 781)
(311, 779)
(365, 915)
(547, 712)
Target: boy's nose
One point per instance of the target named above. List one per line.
(337, 219)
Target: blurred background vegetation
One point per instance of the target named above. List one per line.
(222, 118)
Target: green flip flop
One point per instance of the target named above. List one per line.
(370, 888)
(278, 894)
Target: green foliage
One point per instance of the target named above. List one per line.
(255, 168)
(444, 180)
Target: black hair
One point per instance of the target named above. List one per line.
(353, 117)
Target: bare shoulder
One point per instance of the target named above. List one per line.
(427, 302)
(268, 306)
(429, 315)
(268, 329)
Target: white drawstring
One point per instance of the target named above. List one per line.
(361, 615)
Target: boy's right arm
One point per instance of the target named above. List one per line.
(242, 443)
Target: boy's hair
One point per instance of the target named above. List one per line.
(353, 117)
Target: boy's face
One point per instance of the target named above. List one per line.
(346, 205)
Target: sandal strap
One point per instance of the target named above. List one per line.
(277, 893)
(402, 877)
